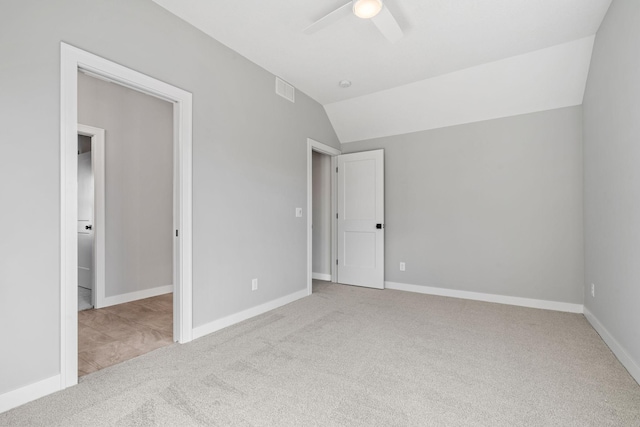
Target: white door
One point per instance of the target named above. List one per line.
(85, 221)
(361, 219)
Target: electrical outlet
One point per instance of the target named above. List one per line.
(254, 284)
(593, 290)
(403, 266)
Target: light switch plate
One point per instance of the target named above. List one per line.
(298, 212)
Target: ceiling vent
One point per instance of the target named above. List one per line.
(285, 90)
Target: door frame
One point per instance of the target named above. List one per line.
(72, 60)
(319, 147)
(98, 169)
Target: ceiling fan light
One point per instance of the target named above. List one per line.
(366, 9)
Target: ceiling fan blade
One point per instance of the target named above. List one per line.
(388, 25)
(329, 19)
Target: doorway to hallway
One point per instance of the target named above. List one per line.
(356, 200)
(131, 315)
(72, 61)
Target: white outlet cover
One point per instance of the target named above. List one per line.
(298, 212)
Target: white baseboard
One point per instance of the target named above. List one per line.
(28, 393)
(477, 296)
(134, 296)
(321, 276)
(216, 325)
(627, 361)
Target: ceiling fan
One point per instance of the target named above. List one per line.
(365, 9)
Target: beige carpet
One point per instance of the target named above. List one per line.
(350, 356)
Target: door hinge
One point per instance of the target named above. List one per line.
(336, 169)
(336, 216)
(336, 262)
(176, 233)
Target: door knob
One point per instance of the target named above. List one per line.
(88, 227)
(379, 226)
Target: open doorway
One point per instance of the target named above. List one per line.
(321, 208)
(133, 309)
(357, 216)
(321, 217)
(180, 105)
(91, 217)
(86, 236)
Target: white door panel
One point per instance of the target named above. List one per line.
(359, 190)
(360, 213)
(85, 227)
(85, 221)
(359, 249)
(85, 252)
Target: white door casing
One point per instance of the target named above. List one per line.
(72, 60)
(361, 219)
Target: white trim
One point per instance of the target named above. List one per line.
(321, 276)
(183, 217)
(14, 398)
(73, 60)
(216, 325)
(625, 358)
(136, 295)
(319, 147)
(334, 219)
(68, 217)
(99, 216)
(477, 296)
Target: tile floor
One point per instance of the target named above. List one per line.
(111, 335)
(84, 299)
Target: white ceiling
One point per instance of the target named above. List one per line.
(546, 79)
(441, 37)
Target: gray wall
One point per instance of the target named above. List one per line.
(492, 207)
(139, 183)
(321, 168)
(249, 165)
(612, 176)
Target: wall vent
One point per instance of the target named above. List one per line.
(285, 90)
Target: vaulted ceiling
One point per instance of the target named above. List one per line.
(532, 55)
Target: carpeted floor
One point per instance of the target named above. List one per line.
(350, 356)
